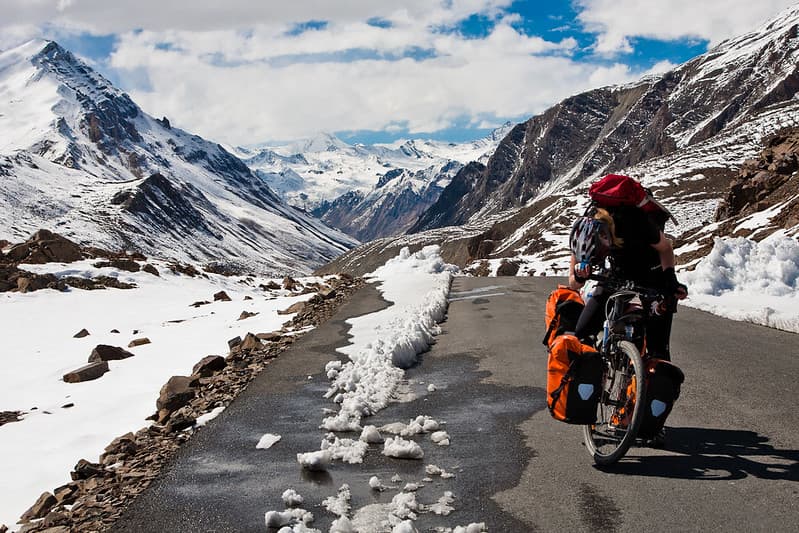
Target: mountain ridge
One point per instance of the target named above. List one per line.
(86, 143)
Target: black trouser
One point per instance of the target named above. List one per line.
(658, 327)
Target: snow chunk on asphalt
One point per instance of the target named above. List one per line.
(420, 424)
(314, 461)
(402, 449)
(342, 524)
(291, 498)
(278, 518)
(339, 504)
(275, 519)
(376, 484)
(444, 504)
(371, 435)
(267, 441)
(440, 437)
(207, 417)
(347, 450)
(406, 526)
(433, 470)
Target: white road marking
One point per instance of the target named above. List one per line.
(473, 296)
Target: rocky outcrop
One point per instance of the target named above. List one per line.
(770, 179)
(44, 247)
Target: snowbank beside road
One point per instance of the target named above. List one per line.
(751, 281)
(64, 422)
(386, 342)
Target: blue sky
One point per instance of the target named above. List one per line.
(373, 70)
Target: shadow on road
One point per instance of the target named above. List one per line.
(714, 454)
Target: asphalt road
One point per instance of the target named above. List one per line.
(731, 462)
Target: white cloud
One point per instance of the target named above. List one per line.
(617, 21)
(104, 17)
(234, 73)
(507, 74)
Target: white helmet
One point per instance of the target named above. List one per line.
(589, 240)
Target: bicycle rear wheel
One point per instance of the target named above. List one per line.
(619, 415)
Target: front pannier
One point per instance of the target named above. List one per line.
(663, 380)
(563, 308)
(574, 377)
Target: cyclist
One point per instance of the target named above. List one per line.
(637, 250)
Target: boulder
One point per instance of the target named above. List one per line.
(138, 342)
(272, 286)
(508, 268)
(127, 265)
(46, 247)
(86, 469)
(176, 393)
(66, 494)
(248, 297)
(199, 303)
(39, 509)
(294, 308)
(270, 337)
(104, 352)
(327, 294)
(179, 422)
(234, 342)
(54, 520)
(250, 343)
(289, 283)
(246, 314)
(87, 372)
(34, 282)
(208, 365)
(150, 269)
(82, 333)
(221, 296)
(124, 445)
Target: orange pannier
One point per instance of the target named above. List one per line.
(563, 308)
(574, 380)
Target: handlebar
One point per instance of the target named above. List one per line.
(617, 284)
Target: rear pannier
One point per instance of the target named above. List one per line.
(574, 377)
(663, 381)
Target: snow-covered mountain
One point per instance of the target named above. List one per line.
(345, 185)
(78, 156)
(685, 134)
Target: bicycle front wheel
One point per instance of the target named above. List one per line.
(619, 415)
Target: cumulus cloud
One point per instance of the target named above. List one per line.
(616, 22)
(234, 87)
(244, 72)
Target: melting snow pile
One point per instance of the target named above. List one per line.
(752, 281)
(386, 342)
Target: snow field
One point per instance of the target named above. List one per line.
(39, 348)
